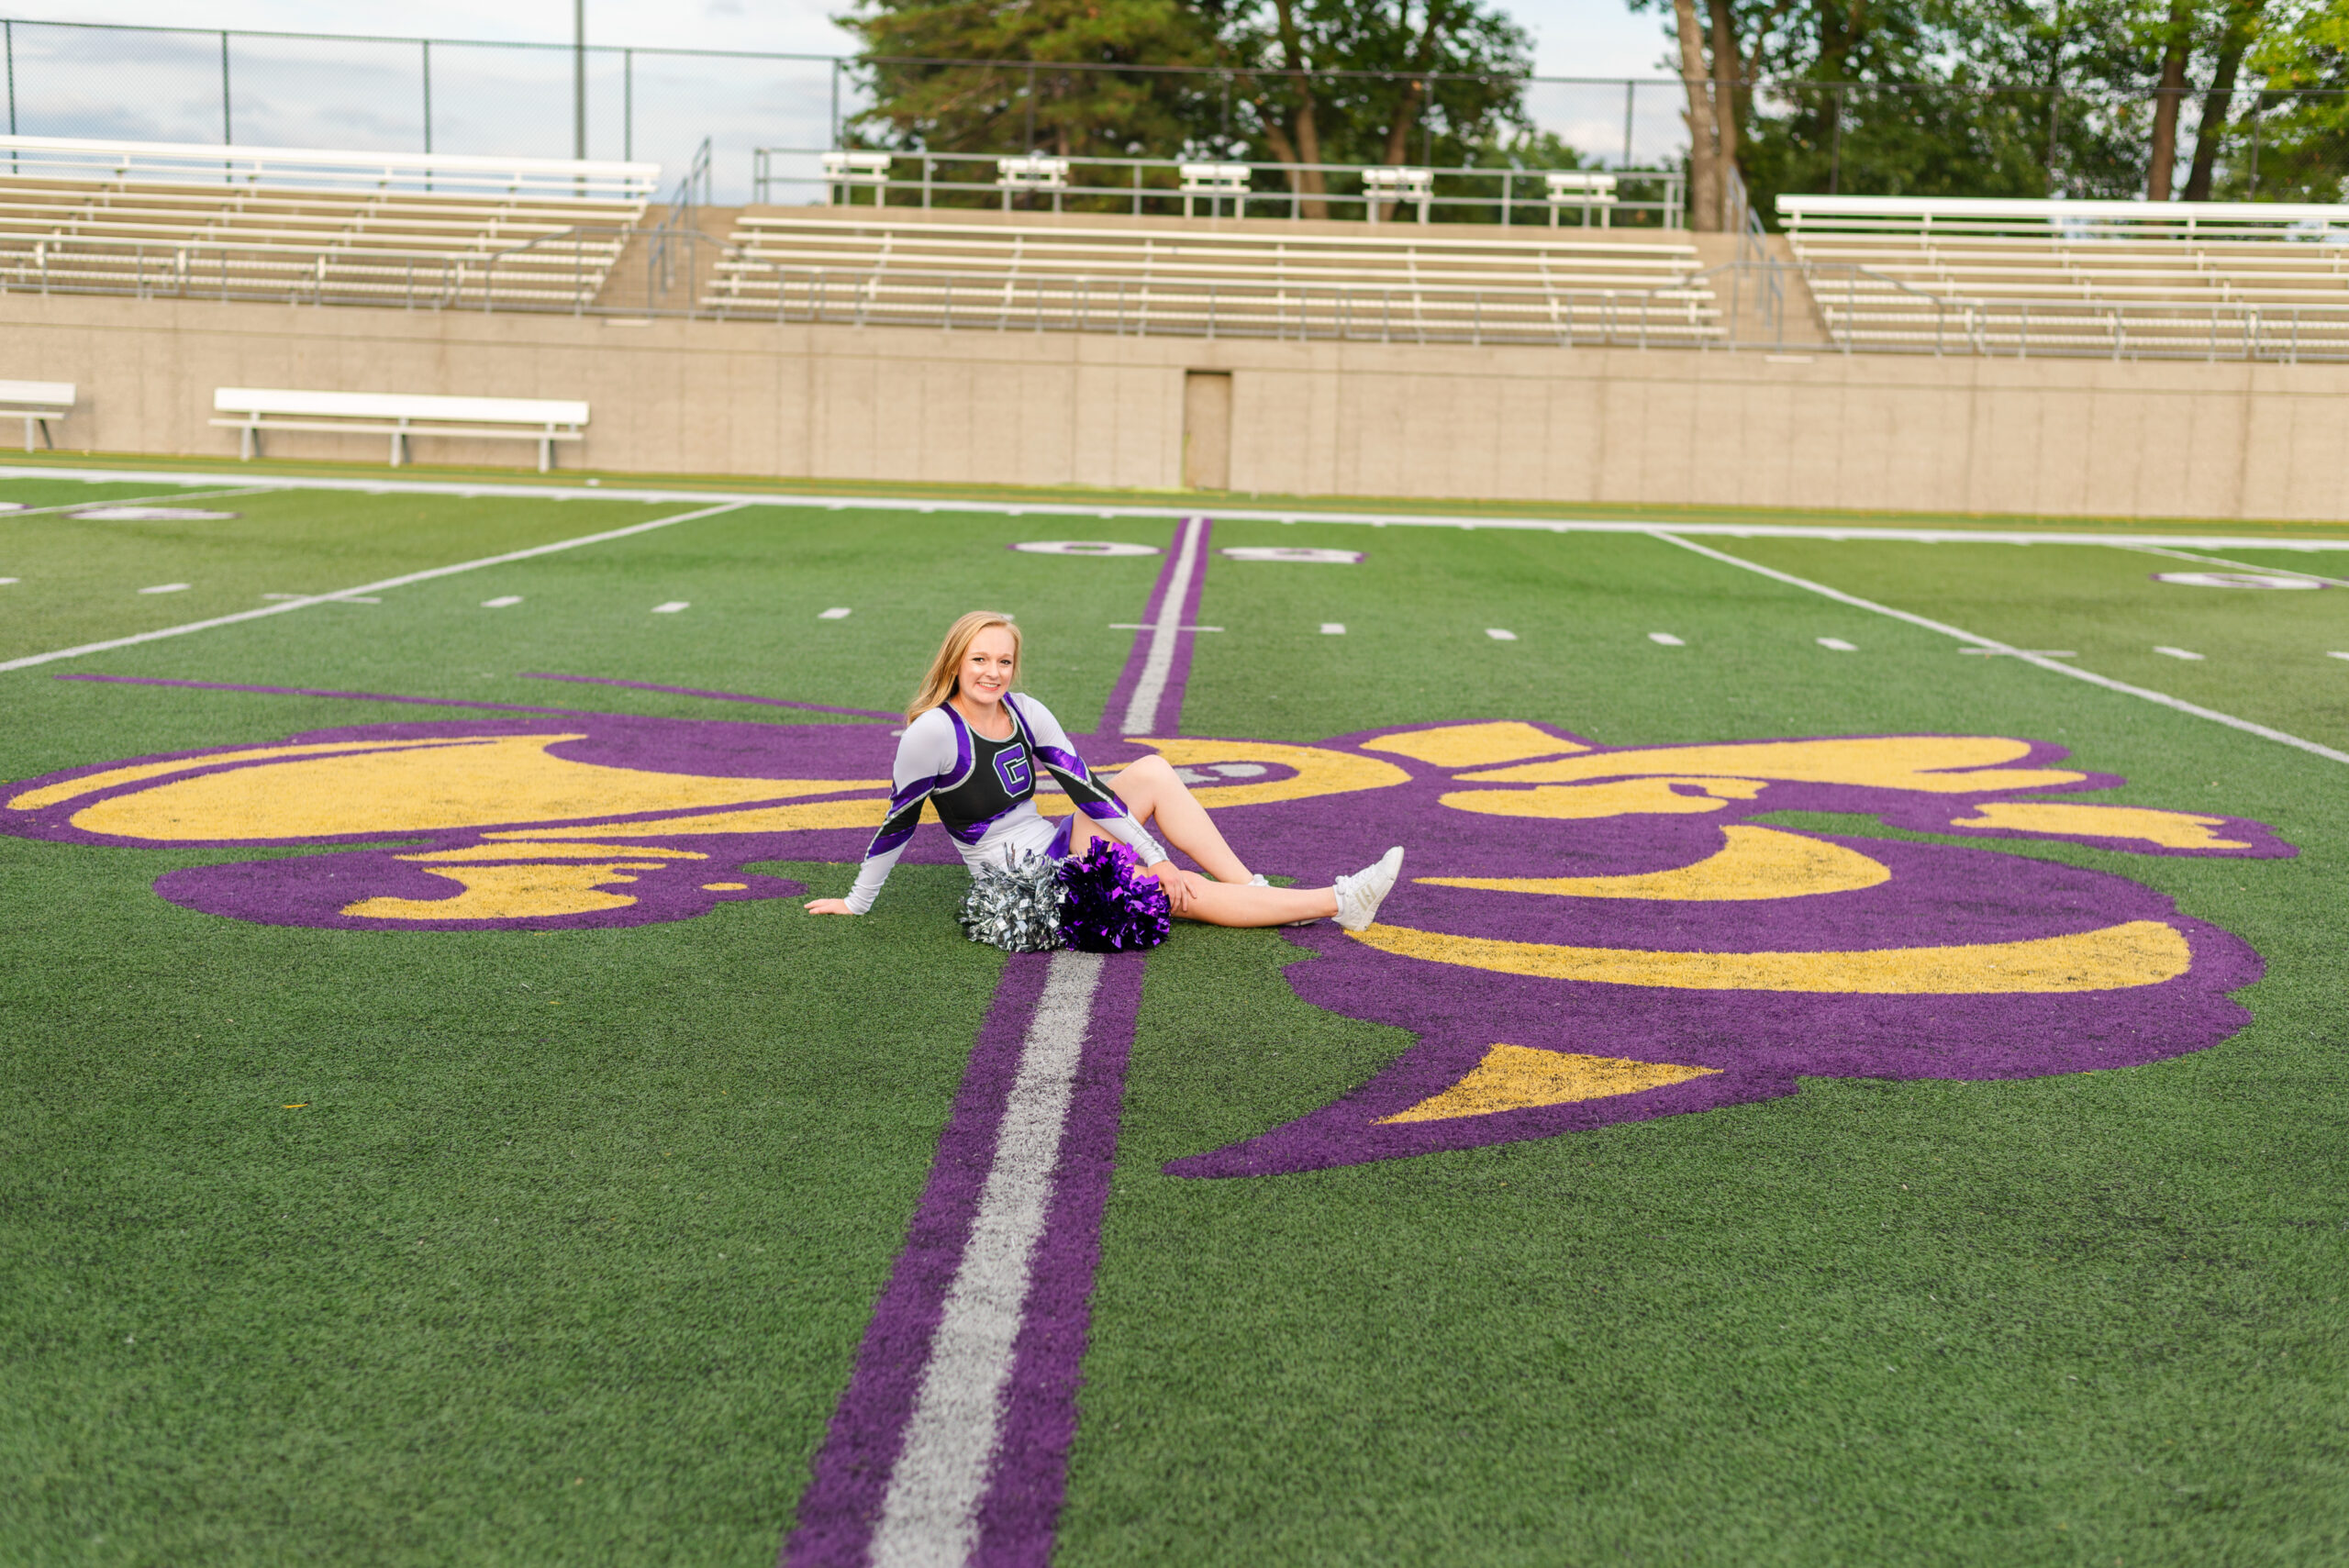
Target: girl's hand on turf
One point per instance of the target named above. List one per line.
(829, 907)
(1182, 886)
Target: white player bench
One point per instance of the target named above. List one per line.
(1035, 173)
(1584, 190)
(1215, 181)
(35, 403)
(843, 172)
(252, 409)
(1398, 186)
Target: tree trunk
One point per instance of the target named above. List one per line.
(2172, 93)
(1406, 113)
(1725, 85)
(1307, 147)
(1705, 184)
(2219, 101)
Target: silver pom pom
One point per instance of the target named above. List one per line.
(1016, 908)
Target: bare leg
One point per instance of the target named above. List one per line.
(1157, 798)
(1223, 903)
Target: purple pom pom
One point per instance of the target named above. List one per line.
(1113, 905)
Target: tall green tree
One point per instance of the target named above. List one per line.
(936, 78)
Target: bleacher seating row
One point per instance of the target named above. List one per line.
(312, 226)
(1388, 285)
(2188, 279)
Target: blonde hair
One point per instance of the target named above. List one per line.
(946, 669)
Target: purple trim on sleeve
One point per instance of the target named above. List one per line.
(1102, 810)
(917, 790)
(965, 755)
(885, 840)
(1067, 761)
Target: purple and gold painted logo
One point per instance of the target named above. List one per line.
(1587, 935)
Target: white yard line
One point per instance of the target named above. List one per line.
(285, 606)
(1993, 645)
(475, 489)
(929, 1516)
(1165, 633)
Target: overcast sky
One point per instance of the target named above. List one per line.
(1576, 38)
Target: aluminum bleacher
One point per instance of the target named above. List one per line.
(2199, 280)
(1162, 278)
(310, 227)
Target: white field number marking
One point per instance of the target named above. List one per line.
(2175, 652)
(2328, 656)
(1338, 628)
(1498, 635)
(837, 612)
(168, 588)
(1084, 547)
(1665, 638)
(672, 607)
(503, 601)
(1838, 645)
(1292, 553)
(2235, 580)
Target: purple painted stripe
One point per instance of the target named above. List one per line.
(314, 692)
(1021, 1512)
(1170, 705)
(713, 696)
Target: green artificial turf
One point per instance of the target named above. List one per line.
(466, 1304)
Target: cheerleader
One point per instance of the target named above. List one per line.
(972, 748)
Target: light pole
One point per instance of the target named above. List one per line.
(579, 79)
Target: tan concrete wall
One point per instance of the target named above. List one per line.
(1582, 425)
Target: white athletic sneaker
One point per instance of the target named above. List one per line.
(1359, 896)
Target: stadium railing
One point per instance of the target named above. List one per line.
(1139, 186)
(2117, 279)
(312, 226)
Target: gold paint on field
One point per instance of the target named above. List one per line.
(866, 813)
(1320, 770)
(512, 893)
(1512, 1078)
(1756, 863)
(1886, 761)
(1618, 797)
(552, 853)
(503, 778)
(1474, 745)
(2170, 830)
(2141, 952)
(90, 783)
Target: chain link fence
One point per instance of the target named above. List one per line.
(605, 102)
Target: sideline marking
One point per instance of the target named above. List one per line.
(1141, 710)
(400, 582)
(929, 1514)
(476, 490)
(1992, 645)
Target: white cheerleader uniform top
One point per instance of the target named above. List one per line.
(984, 792)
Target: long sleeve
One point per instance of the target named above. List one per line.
(1103, 809)
(926, 753)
